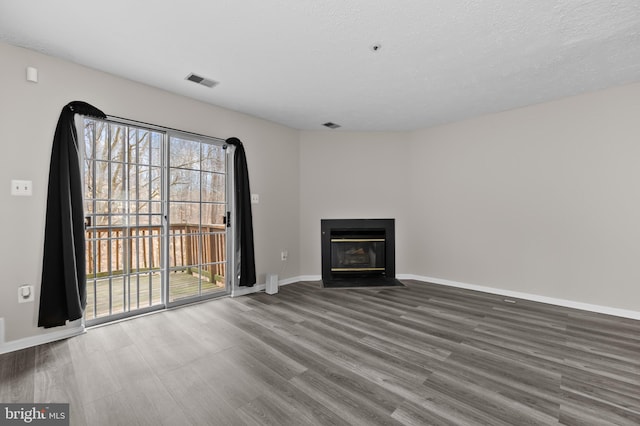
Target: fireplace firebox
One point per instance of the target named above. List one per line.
(358, 252)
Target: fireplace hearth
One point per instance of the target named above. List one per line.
(358, 252)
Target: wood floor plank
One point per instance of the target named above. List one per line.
(354, 407)
(541, 392)
(144, 402)
(199, 399)
(411, 414)
(608, 392)
(16, 376)
(488, 401)
(578, 408)
(423, 354)
(283, 395)
(55, 378)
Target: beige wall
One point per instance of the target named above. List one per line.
(347, 175)
(542, 200)
(28, 114)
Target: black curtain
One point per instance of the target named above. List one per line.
(63, 289)
(245, 256)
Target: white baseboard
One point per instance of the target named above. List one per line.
(242, 291)
(40, 339)
(290, 280)
(624, 313)
(310, 278)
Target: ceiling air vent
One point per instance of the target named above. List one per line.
(201, 80)
(331, 125)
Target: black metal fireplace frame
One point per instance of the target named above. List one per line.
(329, 226)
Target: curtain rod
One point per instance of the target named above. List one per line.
(156, 126)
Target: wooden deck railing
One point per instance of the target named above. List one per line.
(111, 251)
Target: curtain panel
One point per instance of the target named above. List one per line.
(245, 255)
(63, 287)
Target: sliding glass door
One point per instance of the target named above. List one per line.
(197, 211)
(155, 202)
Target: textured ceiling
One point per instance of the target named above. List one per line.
(302, 63)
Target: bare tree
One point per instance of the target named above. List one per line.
(123, 171)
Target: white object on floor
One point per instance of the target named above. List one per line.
(272, 284)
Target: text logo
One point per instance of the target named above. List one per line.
(34, 414)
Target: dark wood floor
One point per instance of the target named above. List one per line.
(419, 355)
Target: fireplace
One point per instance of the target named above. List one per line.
(358, 252)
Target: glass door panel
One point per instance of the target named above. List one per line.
(123, 209)
(197, 207)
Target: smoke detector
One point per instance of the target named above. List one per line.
(331, 125)
(201, 80)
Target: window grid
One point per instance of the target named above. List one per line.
(125, 236)
(147, 226)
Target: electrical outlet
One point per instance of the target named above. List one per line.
(25, 294)
(255, 198)
(284, 255)
(21, 187)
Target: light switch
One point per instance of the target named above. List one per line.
(22, 188)
(255, 198)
